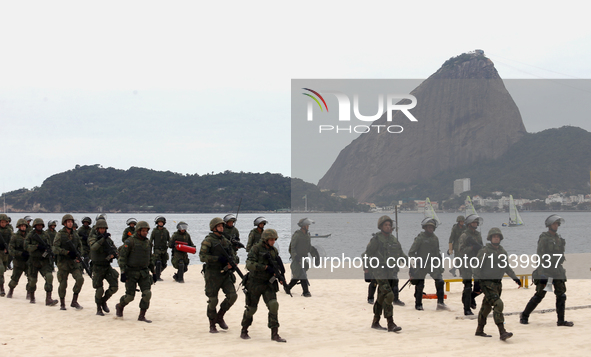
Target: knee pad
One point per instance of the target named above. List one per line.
(213, 301)
(273, 306)
(232, 298)
(250, 310)
(389, 298)
(146, 294)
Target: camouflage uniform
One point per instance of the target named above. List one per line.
(51, 234)
(212, 254)
(549, 244)
(178, 256)
(426, 246)
(454, 238)
(135, 262)
(67, 264)
(84, 233)
(470, 244)
(20, 256)
(160, 239)
(383, 246)
(253, 238)
(490, 277)
(127, 233)
(299, 248)
(40, 261)
(101, 248)
(5, 235)
(232, 232)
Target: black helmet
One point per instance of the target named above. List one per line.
(86, 219)
(160, 219)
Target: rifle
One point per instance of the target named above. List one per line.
(111, 249)
(405, 284)
(79, 257)
(278, 272)
(233, 265)
(44, 246)
(235, 242)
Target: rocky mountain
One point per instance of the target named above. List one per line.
(465, 115)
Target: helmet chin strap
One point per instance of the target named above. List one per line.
(551, 230)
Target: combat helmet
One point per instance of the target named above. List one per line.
(461, 219)
(52, 223)
(260, 220)
(214, 222)
(27, 218)
(142, 224)
(553, 218)
(132, 220)
(86, 219)
(182, 226)
(3, 217)
(492, 232)
(20, 222)
(305, 222)
(384, 219)
(474, 218)
(428, 221)
(67, 217)
(269, 233)
(101, 223)
(160, 219)
(101, 216)
(229, 217)
(38, 221)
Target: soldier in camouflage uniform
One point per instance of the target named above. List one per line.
(102, 253)
(16, 248)
(180, 260)
(130, 230)
(255, 234)
(38, 245)
(490, 277)
(258, 284)
(426, 246)
(5, 235)
(232, 233)
(386, 248)
(135, 262)
(551, 247)
(299, 248)
(28, 219)
(215, 251)
(51, 232)
(64, 246)
(160, 239)
(454, 239)
(470, 244)
(84, 234)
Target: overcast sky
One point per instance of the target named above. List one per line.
(196, 87)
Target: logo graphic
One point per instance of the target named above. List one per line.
(316, 100)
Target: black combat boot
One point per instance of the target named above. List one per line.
(28, 295)
(292, 283)
(212, 328)
(48, 300)
(504, 334)
(158, 271)
(75, 303)
(466, 300)
(275, 335)
(371, 292)
(480, 331)
(10, 292)
(220, 319)
(419, 297)
(180, 273)
(119, 310)
(392, 326)
(104, 304)
(560, 307)
(99, 310)
(244, 333)
(2, 292)
(397, 294)
(306, 292)
(62, 303)
(375, 324)
(531, 305)
(32, 297)
(142, 316)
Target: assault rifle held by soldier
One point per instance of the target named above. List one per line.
(278, 272)
(79, 258)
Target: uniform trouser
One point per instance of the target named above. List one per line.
(43, 266)
(492, 301)
(179, 257)
(99, 274)
(419, 283)
(371, 288)
(468, 294)
(3, 265)
(161, 255)
(256, 289)
(19, 267)
(385, 299)
(64, 269)
(141, 278)
(214, 281)
(560, 292)
(298, 273)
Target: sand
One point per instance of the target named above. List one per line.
(334, 322)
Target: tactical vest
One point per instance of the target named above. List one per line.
(99, 256)
(139, 253)
(217, 248)
(19, 246)
(160, 238)
(64, 238)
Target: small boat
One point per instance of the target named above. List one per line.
(469, 207)
(514, 217)
(321, 236)
(430, 212)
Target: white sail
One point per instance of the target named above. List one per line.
(469, 207)
(514, 217)
(429, 211)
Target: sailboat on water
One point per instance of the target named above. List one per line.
(430, 212)
(469, 207)
(514, 217)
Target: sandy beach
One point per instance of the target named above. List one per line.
(335, 321)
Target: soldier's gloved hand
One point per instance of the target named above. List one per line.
(222, 259)
(123, 277)
(517, 281)
(106, 235)
(543, 279)
(72, 255)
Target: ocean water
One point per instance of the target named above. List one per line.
(350, 232)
